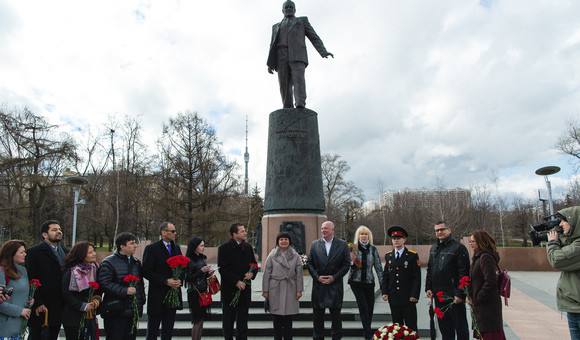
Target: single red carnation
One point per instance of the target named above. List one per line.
(439, 294)
(94, 285)
(35, 282)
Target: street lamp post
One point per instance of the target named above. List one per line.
(546, 171)
(78, 181)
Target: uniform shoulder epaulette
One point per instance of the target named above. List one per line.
(389, 252)
(412, 251)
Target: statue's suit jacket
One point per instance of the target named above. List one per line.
(297, 32)
(336, 263)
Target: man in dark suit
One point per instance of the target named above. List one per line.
(234, 258)
(288, 56)
(402, 279)
(328, 262)
(44, 263)
(160, 276)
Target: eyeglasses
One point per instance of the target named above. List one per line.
(440, 230)
(471, 241)
(171, 231)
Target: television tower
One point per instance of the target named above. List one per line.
(246, 159)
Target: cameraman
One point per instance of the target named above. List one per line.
(564, 255)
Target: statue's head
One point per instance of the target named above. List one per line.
(288, 8)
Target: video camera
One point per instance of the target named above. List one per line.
(6, 291)
(541, 229)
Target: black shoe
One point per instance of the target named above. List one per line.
(300, 106)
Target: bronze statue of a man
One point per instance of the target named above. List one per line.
(288, 54)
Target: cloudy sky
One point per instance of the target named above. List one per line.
(418, 90)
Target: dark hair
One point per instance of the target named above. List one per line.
(163, 226)
(444, 223)
(7, 253)
(77, 254)
(192, 246)
(123, 238)
(283, 235)
(46, 225)
(484, 240)
(234, 228)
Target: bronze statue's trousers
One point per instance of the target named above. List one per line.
(291, 79)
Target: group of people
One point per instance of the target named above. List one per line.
(66, 291)
(71, 285)
(331, 258)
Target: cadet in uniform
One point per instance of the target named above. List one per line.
(402, 279)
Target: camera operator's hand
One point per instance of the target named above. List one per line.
(553, 236)
(4, 298)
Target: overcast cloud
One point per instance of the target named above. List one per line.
(418, 90)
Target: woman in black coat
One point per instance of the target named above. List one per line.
(197, 274)
(484, 294)
(80, 270)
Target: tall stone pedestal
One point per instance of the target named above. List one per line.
(294, 196)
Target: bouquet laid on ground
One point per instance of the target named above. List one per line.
(132, 281)
(177, 265)
(236, 298)
(440, 312)
(32, 286)
(394, 331)
(304, 258)
(95, 300)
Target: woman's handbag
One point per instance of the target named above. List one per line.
(205, 298)
(213, 285)
(504, 283)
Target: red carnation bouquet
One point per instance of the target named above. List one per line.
(90, 314)
(177, 265)
(440, 312)
(236, 298)
(132, 281)
(357, 264)
(32, 286)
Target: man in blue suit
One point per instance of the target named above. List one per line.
(288, 54)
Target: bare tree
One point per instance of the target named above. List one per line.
(32, 158)
(339, 194)
(569, 143)
(199, 184)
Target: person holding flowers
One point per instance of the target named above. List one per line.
(448, 263)
(121, 280)
(282, 285)
(197, 273)
(156, 269)
(364, 256)
(14, 311)
(78, 288)
(237, 267)
(483, 292)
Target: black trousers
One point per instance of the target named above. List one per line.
(335, 328)
(282, 327)
(237, 314)
(405, 315)
(34, 333)
(72, 332)
(454, 321)
(118, 328)
(365, 299)
(166, 319)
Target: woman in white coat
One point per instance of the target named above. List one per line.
(282, 285)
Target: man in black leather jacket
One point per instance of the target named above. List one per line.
(113, 270)
(448, 263)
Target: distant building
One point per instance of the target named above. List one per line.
(370, 206)
(428, 198)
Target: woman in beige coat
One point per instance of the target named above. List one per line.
(282, 285)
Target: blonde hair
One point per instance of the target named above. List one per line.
(360, 230)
